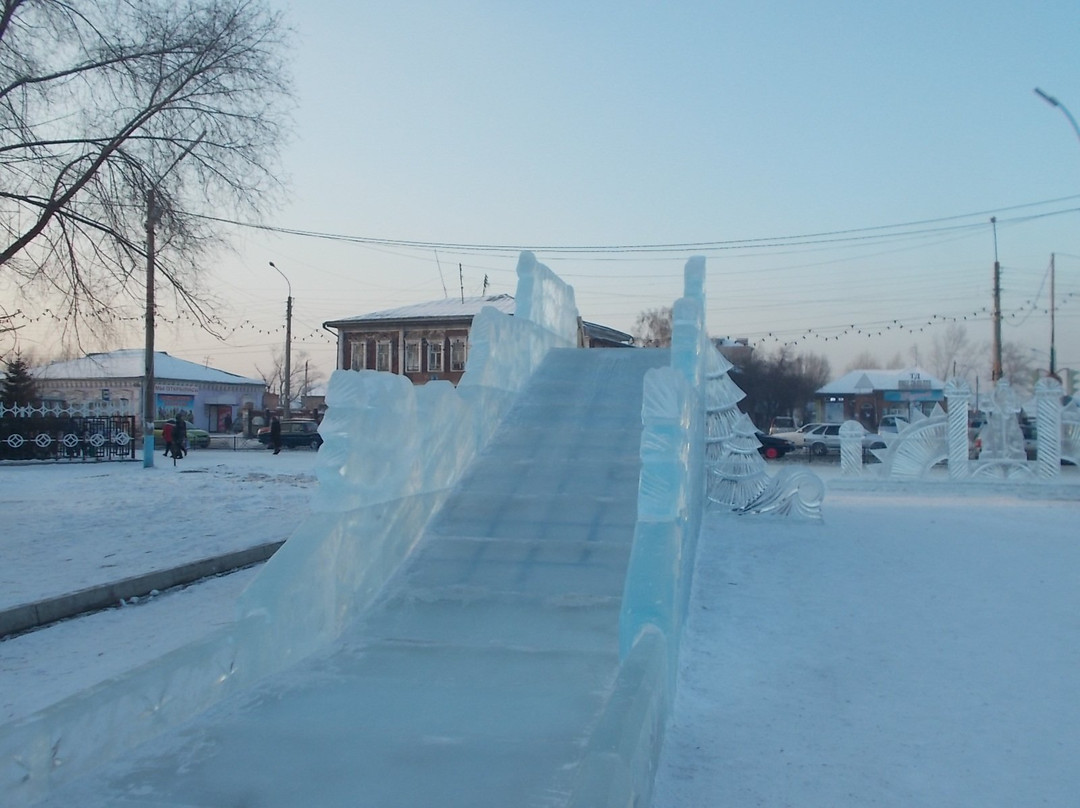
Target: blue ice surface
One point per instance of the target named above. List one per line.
(478, 674)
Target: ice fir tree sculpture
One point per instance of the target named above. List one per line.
(735, 470)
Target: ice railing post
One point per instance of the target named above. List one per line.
(1048, 393)
(672, 483)
(851, 447)
(958, 399)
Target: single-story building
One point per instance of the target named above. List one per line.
(430, 341)
(868, 395)
(112, 383)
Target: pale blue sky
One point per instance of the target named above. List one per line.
(600, 123)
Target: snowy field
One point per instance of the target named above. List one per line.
(920, 647)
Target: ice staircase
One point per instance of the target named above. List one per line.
(476, 677)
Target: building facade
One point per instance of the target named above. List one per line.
(113, 382)
(430, 341)
(867, 396)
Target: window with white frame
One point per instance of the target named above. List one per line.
(457, 354)
(435, 356)
(382, 355)
(412, 356)
(358, 355)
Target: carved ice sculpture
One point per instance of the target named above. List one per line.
(794, 493)
(736, 475)
(915, 449)
(1001, 440)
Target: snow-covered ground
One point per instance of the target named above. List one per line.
(920, 647)
(69, 526)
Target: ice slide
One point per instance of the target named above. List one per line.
(445, 629)
(477, 675)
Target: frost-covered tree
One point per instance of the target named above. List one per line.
(119, 114)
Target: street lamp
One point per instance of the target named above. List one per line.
(288, 339)
(1049, 99)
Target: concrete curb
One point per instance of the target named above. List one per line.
(34, 615)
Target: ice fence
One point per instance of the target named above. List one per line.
(391, 453)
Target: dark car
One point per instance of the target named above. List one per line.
(773, 447)
(294, 432)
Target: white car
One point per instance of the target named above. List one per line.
(825, 438)
(798, 436)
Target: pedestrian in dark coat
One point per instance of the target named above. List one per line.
(275, 434)
(180, 435)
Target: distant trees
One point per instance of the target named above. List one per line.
(653, 327)
(782, 383)
(117, 116)
(18, 386)
(303, 378)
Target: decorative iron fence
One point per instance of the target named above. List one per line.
(28, 434)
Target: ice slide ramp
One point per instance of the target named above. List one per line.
(477, 675)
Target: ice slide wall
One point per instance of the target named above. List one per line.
(622, 754)
(372, 504)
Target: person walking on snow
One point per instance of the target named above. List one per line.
(275, 434)
(180, 436)
(167, 436)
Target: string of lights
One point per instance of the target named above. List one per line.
(791, 337)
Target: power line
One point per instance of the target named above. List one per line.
(850, 235)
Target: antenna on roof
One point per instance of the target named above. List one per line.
(484, 292)
(441, 278)
(461, 280)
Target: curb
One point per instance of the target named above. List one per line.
(43, 612)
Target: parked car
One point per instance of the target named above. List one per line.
(294, 432)
(825, 438)
(892, 423)
(196, 438)
(782, 423)
(798, 437)
(773, 447)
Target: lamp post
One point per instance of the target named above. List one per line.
(288, 340)
(1049, 99)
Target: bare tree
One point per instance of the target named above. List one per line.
(952, 353)
(121, 115)
(1018, 366)
(653, 327)
(864, 361)
(781, 384)
(303, 376)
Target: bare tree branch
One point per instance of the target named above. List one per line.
(102, 101)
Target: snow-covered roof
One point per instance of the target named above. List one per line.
(866, 381)
(436, 309)
(129, 363)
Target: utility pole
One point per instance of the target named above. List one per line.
(288, 342)
(1053, 353)
(152, 216)
(995, 316)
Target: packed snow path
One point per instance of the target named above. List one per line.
(476, 678)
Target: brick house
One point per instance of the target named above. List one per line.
(430, 341)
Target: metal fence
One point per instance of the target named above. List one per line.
(35, 436)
